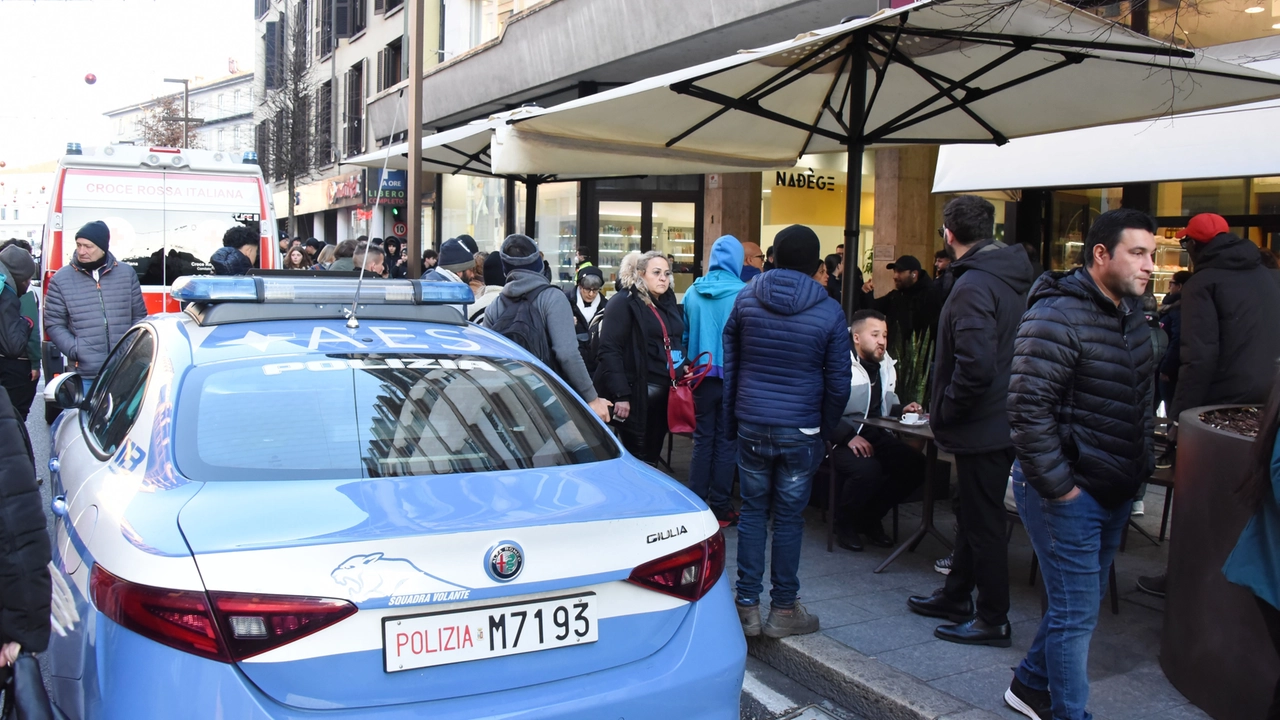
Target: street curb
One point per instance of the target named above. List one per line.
(862, 684)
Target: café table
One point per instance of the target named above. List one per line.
(926, 512)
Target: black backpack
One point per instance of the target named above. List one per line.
(522, 324)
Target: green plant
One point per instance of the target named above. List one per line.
(915, 365)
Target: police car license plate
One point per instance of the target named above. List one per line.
(417, 641)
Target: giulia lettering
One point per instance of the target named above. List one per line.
(666, 535)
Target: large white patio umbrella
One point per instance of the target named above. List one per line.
(465, 150)
(965, 71)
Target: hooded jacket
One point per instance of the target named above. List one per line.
(15, 330)
(86, 312)
(1080, 394)
(24, 571)
(786, 355)
(912, 311)
(1230, 332)
(230, 261)
(557, 317)
(1171, 323)
(975, 348)
(709, 301)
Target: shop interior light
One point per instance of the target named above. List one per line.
(1276, 26)
(1254, 10)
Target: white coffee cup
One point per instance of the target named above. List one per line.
(911, 418)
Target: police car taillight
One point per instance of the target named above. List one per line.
(254, 624)
(232, 627)
(688, 574)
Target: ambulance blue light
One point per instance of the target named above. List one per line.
(73, 148)
(194, 288)
(250, 158)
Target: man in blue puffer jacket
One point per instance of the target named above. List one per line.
(706, 310)
(786, 381)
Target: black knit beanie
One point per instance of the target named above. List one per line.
(520, 252)
(97, 233)
(796, 247)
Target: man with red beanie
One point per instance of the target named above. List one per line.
(1230, 328)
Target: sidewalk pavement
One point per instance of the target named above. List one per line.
(875, 657)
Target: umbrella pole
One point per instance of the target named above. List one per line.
(530, 205)
(851, 291)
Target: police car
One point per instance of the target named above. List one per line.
(280, 502)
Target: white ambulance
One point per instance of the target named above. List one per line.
(167, 209)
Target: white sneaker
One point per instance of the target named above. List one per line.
(1138, 509)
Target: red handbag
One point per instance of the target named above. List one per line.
(681, 417)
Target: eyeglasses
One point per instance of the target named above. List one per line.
(942, 232)
(757, 257)
(1185, 242)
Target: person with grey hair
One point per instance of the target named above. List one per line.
(641, 326)
(588, 301)
(540, 321)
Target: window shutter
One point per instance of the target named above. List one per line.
(271, 41)
(382, 70)
(342, 18)
(379, 7)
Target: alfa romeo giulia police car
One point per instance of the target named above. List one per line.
(267, 509)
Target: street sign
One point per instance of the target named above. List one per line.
(400, 228)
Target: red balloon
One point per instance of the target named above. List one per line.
(90, 79)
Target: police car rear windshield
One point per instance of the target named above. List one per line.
(346, 416)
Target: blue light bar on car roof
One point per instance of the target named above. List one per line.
(207, 289)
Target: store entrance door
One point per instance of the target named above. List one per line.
(671, 228)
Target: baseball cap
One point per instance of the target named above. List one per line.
(905, 263)
(1205, 227)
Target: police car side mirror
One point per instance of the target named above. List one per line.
(65, 391)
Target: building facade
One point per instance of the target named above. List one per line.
(24, 202)
(221, 111)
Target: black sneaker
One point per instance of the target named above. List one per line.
(1165, 461)
(1153, 585)
(1032, 703)
(943, 565)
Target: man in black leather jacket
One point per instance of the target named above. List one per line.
(1080, 408)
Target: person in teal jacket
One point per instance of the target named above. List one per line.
(707, 305)
(1255, 561)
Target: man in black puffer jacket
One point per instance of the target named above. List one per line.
(968, 418)
(1230, 320)
(24, 545)
(1080, 407)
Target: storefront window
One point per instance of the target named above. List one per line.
(1073, 212)
(1200, 23)
(813, 194)
(673, 235)
(556, 227)
(474, 206)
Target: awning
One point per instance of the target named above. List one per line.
(462, 150)
(1225, 143)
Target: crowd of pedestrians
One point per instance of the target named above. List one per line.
(1045, 384)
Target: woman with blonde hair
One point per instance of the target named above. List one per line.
(641, 341)
(326, 257)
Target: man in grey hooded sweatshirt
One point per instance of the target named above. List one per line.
(556, 341)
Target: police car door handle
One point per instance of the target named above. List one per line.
(59, 506)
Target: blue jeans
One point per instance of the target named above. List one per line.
(775, 470)
(715, 454)
(1076, 541)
